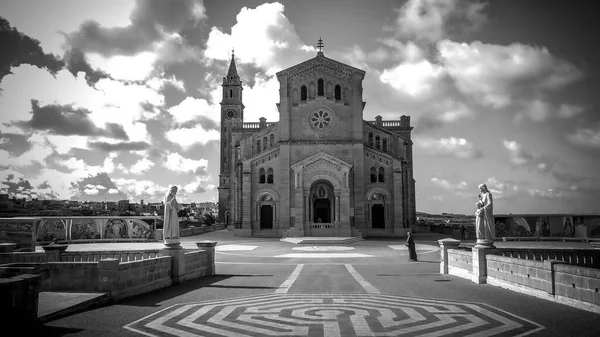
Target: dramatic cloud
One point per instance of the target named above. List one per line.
(191, 109)
(141, 166)
(452, 146)
(175, 162)
(76, 63)
(186, 137)
(263, 36)
(18, 49)
(494, 74)
(15, 144)
(433, 20)
(413, 78)
(66, 120)
(150, 20)
(503, 189)
(95, 188)
(519, 157)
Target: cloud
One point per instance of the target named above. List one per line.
(432, 20)
(262, 36)
(494, 74)
(142, 189)
(120, 146)
(569, 110)
(95, 188)
(586, 137)
(141, 166)
(503, 189)
(175, 162)
(67, 121)
(18, 48)
(15, 144)
(76, 62)
(519, 157)
(150, 21)
(447, 185)
(187, 137)
(413, 78)
(452, 146)
(547, 193)
(192, 109)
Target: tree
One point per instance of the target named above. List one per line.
(183, 212)
(209, 219)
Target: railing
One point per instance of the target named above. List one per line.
(123, 256)
(577, 257)
(390, 124)
(322, 225)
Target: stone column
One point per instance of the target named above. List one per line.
(479, 263)
(53, 252)
(209, 247)
(446, 244)
(177, 255)
(108, 277)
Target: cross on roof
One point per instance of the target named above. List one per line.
(320, 44)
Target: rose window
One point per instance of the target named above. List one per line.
(320, 119)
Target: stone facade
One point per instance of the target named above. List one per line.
(321, 170)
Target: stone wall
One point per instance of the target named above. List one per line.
(19, 302)
(577, 283)
(196, 264)
(138, 277)
(72, 276)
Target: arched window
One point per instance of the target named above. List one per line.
(271, 140)
(270, 176)
(373, 175)
(265, 143)
(231, 93)
(261, 176)
(258, 145)
(384, 144)
(377, 142)
(380, 175)
(371, 139)
(321, 87)
(303, 93)
(338, 93)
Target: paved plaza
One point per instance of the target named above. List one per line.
(265, 287)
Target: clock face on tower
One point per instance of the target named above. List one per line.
(230, 114)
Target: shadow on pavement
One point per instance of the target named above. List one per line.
(50, 331)
(153, 299)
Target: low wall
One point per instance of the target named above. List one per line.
(578, 257)
(138, 277)
(19, 297)
(71, 276)
(549, 279)
(196, 264)
(121, 255)
(22, 257)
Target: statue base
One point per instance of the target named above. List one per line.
(484, 243)
(173, 243)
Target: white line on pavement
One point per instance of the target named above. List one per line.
(285, 286)
(361, 280)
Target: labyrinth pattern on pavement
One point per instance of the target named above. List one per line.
(332, 315)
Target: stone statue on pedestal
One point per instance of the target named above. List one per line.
(484, 217)
(171, 219)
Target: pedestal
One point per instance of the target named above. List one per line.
(172, 244)
(479, 263)
(483, 243)
(209, 247)
(446, 244)
(177, 262)
(53, 252)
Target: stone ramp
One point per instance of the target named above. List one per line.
(54, 305)
(322, 240)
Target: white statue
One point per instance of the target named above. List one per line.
(171, 220)
(484, 221)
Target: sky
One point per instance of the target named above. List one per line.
(119, 99)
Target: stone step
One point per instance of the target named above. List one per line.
(322, 240)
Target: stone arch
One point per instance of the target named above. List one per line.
(266, 191)
(378, 190)
(270, 200)
(333, 180)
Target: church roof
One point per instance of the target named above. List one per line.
(320, 58)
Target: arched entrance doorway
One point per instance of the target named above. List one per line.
(322, 198)
(266, 211)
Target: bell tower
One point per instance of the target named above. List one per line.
(232, 115)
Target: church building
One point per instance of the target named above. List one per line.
(321, 170)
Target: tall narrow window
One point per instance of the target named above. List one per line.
(303, 93)
(373, 175)
(265, 143)
(231, 93)
(321, 88)
(377, 142)
(380, 175)
(384, 141)
(270, 176)
(338, 93)
(371, 139)
(261, 176)
(271, 140)
(258, 146)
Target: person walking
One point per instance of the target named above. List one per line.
(412, 250)
(462, 232)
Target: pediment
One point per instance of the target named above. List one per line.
(321, 64)
(320, 160)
